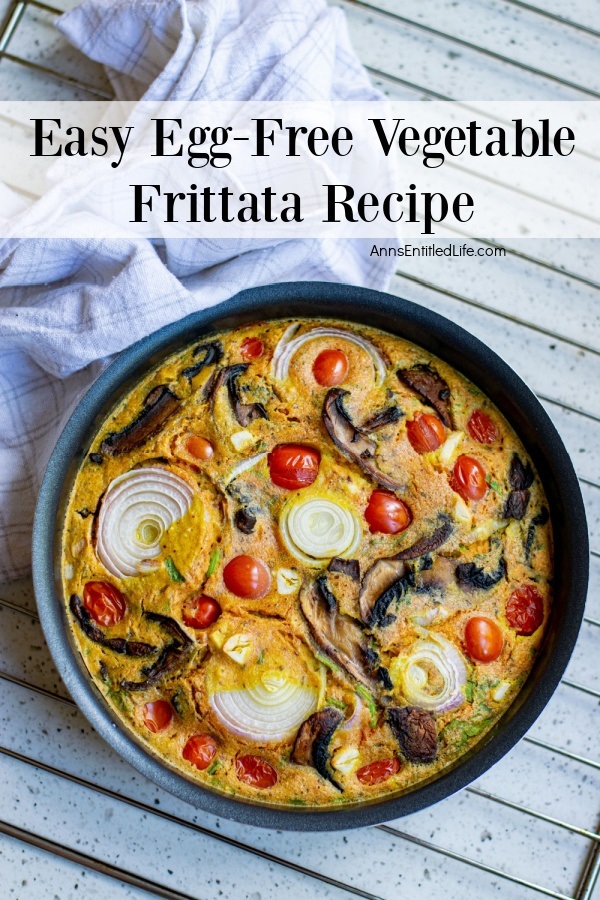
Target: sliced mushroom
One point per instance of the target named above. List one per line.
(340, 637)
(349, 567)
(352, 442)
(311, 747)
(516, 505)
(376, 584)
(159, 405)
(385, 417)
(437, 576)
(91, 630)
(520, 474)
(243, 412)
(472, 577)
(244, 521)
(430, 542)
(212, 354)
(416, 732)
(170, 657)
(431, 388)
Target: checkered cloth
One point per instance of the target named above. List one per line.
(67, 306)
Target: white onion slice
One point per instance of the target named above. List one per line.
(441, 654)
(137, 509)
(243, 466)
(270, 711)
(317, 529)
(288, 345)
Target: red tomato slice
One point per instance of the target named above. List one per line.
(200, 750)
(483, 639)
(379, 771)
(252, 348)
(293, 466)
(481, 428)
(525, 609)
(425, 433)
(157, 715)
(330, 368)
(201, 612)
(386, 513)
(253, 770)
(247, 577)
(468, 478)
(199, 447)
(104, 602)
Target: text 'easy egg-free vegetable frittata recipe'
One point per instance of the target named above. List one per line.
(307, 563)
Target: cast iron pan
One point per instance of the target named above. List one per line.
(452, 344)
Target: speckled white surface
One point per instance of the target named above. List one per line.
(387, 866)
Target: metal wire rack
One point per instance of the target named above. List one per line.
(586, 879)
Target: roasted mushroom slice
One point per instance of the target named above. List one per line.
(520, 478)
(212, 354)
(416, 732)
(384, 417)
(91, 630)
(437, 576)
(243, 412)
(245, 520)
(516, 505)
(540, 519)
(352, 442)
(311, 747)
(159, 405)
(340, 637)
(430, 542)
(170, 657)
(349, 567)
(472, 577)
(431, 388)
(376, 592)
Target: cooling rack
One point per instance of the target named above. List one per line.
(538, 307)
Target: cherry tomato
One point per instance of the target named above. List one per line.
(525, 609)
(247, 577)
(483, 639)
(293, 466)
(201, 612)
(330, 368)
(481, 428)
(252, 348)
(104, 602)
(157, 715)
(255, 771)
(379, 771)
(199, 447)
(200, 750)
(425, 433)
(468, 478)
(387, 514)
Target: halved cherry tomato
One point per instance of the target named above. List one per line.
(252, 348)
(293, 466)
(387, 514)
(201, 612)
(247, 577)
(379, 771)
(199, 447)
(330, 368)
(104, 602)
(157, 715)
(525, 609)
(468, 478)
(481, 428)
(425, 433)
(200, 750)
(483, 639)
(255, 771)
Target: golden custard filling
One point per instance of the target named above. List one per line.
(307, 563)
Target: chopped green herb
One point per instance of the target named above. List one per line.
(470, 690)
(174, 573)
(458, 732)
(297, 801)
(327, 662)
(366, 695)
(261, 657)
(494, 485)
(332, 701)
(213, 767)
(215, 558)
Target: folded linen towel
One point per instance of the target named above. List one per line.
(67, 306)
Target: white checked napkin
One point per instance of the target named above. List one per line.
(66, 306)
